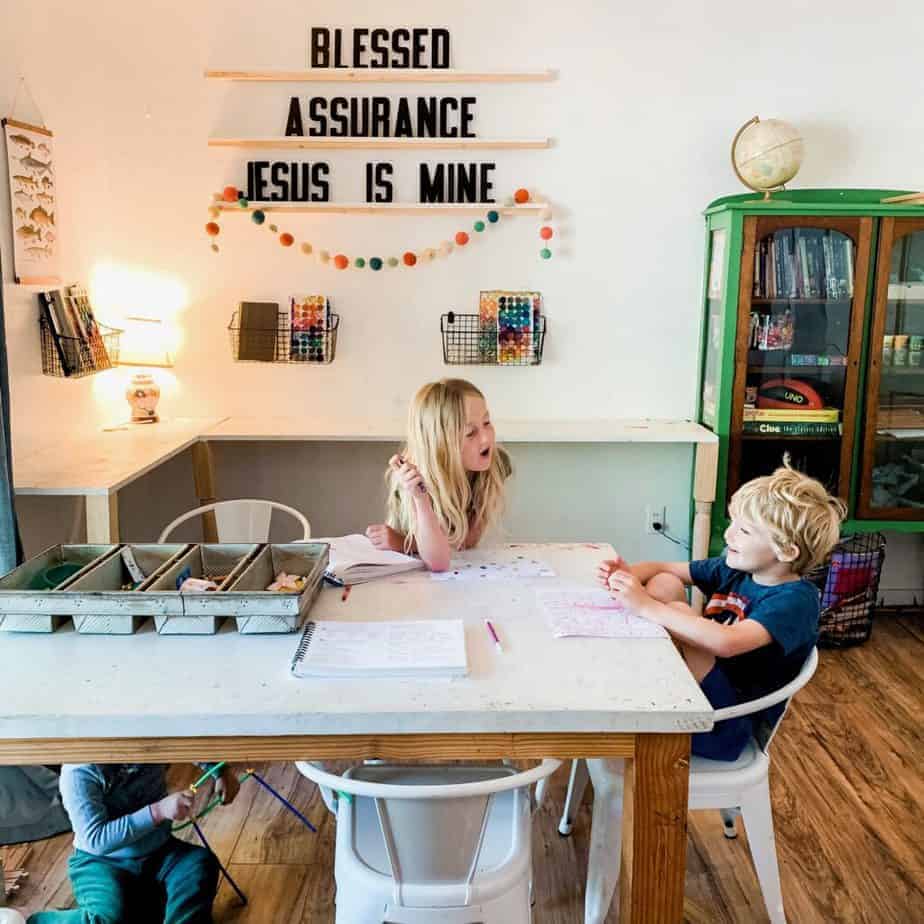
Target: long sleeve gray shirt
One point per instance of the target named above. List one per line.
(110, 807)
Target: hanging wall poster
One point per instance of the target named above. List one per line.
(30, 159)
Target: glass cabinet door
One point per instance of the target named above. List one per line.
(892, 486)
(803, 285)
(713, 331)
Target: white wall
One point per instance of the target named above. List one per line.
(642, 115)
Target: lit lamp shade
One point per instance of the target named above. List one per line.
(144, 343)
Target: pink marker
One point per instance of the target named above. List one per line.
(497, 641)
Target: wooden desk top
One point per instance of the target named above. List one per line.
(103, 461)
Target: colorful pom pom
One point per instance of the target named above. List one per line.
(242, 202)
(215, 247)
(545, 253)
(479, 226)
(286, 239)
(546, 233)
(306, 248)
(258, 217)
(212, 228)
(230, 194)
(521, 196)
(375, 263)
(214, 211)
(393, 261)
(341, 261)
(493, 216)
(273, 228)
(323, 256)
(359, 262)
(410, 258)
(461, 238)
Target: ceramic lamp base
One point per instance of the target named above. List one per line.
(142, 395)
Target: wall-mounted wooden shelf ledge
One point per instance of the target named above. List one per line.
(386, 208)
(371, 144)
(384, 75)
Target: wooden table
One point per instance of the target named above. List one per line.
(78, 698)
(98, 465)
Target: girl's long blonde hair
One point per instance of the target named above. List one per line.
(461, 499)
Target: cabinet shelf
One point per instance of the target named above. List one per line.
(793, 370)
(801, 300)
(786, 438)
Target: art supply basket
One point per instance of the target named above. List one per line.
(849, 585)
(73, 358)
(282, 343)
(470, 341)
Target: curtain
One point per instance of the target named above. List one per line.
(30, 806)
(10, 542)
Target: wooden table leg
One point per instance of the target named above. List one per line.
(102, 518)
(660, 783)
(705, 474)
(204, 476)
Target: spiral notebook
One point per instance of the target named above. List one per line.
(424, 648)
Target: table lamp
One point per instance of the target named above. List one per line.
(144, 343)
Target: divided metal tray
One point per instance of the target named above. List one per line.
(93, 596)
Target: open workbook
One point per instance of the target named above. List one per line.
(355, 560)
(422, 648)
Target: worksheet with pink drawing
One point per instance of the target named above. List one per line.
(593, 614)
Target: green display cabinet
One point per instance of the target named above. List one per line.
(812, 345)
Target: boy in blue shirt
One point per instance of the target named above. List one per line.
(127, 867)
(761, 618)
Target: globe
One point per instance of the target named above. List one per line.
(766, 154)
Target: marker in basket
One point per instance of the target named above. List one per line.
(497, 641)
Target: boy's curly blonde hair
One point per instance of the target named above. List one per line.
(796, 510)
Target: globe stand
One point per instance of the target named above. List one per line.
(766, 190)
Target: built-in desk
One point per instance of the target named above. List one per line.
(98, 465)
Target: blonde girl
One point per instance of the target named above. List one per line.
(446, 487)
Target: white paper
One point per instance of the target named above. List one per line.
(516, 569)
(396, 648)
(593, 614)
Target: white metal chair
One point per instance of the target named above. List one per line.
(11, 916)
(734, 787)
(432, 844)
(245, 520)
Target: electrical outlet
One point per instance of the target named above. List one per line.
(655, 515)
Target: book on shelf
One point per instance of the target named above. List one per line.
(258, 324)
(783, 415)
(803, 263)
(80, 302)
(791, 428)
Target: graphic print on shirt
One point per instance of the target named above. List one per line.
(727, 608)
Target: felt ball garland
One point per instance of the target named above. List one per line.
(230, 194)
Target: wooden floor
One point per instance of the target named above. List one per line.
(848, 795)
